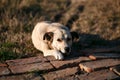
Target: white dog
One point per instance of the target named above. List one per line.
(53, 39)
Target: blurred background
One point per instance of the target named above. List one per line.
(97, 22)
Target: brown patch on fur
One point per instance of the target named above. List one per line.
(48, 37)
(49, 45)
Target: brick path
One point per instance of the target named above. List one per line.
(72, 68)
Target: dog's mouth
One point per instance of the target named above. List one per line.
(65, 54)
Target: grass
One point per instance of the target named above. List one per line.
(5, 51)
(102, 18)
(6, 54)
(18, 18)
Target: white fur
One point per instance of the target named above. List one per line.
(59, 30)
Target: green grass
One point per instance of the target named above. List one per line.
(6, 54)
(6, 51)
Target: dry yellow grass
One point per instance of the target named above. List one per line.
(88, 17)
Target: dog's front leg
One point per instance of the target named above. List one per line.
(54, 53)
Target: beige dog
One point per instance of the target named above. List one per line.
(53, 39)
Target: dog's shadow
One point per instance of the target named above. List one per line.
(90, 41)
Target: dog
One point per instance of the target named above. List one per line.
(53, 39)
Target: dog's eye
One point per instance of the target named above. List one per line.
(59, 40)
(68, 39)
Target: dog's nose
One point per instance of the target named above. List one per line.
(67, 49)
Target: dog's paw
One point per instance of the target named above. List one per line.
(54, 53)
(58, 55)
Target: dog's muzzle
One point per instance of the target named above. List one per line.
(67, 49)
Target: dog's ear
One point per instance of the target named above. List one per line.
(48, 36)
(75, 36)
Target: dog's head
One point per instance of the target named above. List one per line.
(61, 39)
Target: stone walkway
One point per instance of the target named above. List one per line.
(74, 67)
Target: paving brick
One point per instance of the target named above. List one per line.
(4, 71)
(50, 76)
(67, 71)
(68, 78)
(95, 65)
(116, 69)
(104, 74)
(95, 56)
(3, 65)
(26, 61)
(31, 67)
(61, 73)
(51, 58)
(70, 62)
(30, 76)
(93, 50)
